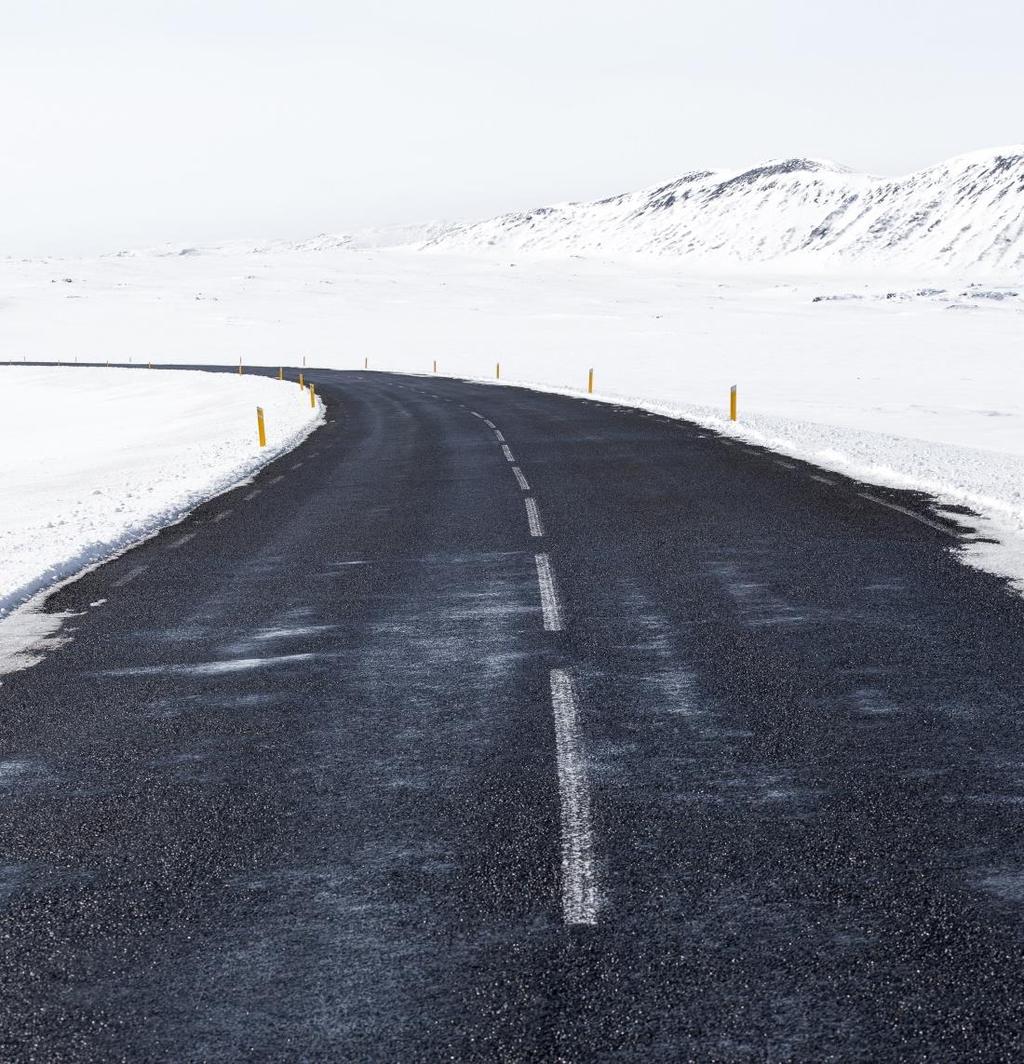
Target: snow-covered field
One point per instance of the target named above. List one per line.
(92, 460)
(911, 381)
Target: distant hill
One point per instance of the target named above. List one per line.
(965, 213)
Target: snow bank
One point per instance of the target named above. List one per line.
(92, 460)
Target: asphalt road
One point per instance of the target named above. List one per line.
(491, 725)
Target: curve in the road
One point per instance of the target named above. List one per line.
(499, 725)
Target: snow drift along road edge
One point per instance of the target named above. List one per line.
(99, 490)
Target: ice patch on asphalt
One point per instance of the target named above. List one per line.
(28, 634)
(757, 604)
(292, 633)
(14, 770)
(210, 668)
(169, 708)
(872, 703)
(249, 645)
(1009, 886)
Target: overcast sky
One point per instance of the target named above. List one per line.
(133, 122)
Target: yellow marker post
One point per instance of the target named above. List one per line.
(301, 382)
(260, 427)
(366, 363)
(239, 368)
(312, 395)
(280, 374)
(435, 365)
(590, 383)
(497, 371)
(732, 403)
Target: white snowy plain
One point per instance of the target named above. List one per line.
(94, 459)
(910, 381)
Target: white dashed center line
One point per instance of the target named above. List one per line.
(548, 596)
(252, 494)
(222, 515)
(278, 478)
(579, 880)
(533, 518)
(181, 542)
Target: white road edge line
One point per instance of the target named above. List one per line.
(506, 452)
(475, 414)
(548, 596)
(579, 879)
(909, 513)
(821, 480)
(533, 518)
(497, 433)
(520, 479)
(490, 424)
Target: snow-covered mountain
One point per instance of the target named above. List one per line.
(967, 213)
